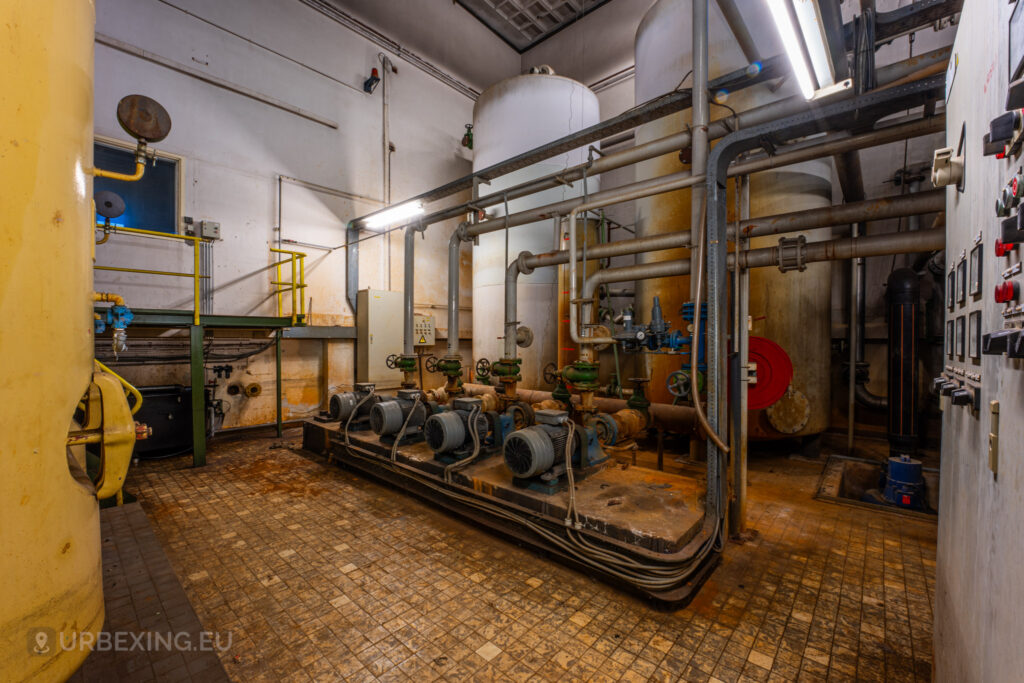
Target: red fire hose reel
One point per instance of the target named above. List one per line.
(774, 373)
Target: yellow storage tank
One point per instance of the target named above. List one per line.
(49, 516)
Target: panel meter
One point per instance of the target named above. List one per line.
(423, 330)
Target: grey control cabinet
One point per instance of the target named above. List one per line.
(379, 335)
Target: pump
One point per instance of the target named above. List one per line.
(536, 455)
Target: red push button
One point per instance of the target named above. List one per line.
(1008, 291)
(1003, 249)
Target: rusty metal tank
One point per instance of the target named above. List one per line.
(792, 309)
(511, 117)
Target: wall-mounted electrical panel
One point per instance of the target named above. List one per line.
(979, 596)
(423, 330)
(378, 335)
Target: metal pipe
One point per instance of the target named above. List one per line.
(611, 197)
(738, 27)
(827, 250)
(679, 417)
(870, 210)
(699, 117)
(666, 145)
(673, 181)
(408, 286)
(511, 306)
(454, 262)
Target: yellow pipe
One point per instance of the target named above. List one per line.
(109, 298)
(280, 300)
(148, 272)
(128, 387)
(285, 286)
(140, 169)
(81, 438)
(302, 285)
(294, 290)
(150, 233)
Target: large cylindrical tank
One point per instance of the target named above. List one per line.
(49, 525)
(791, 309)
(511, 117)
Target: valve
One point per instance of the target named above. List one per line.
(430, 364)
(678, 384)
(483, 371)
(551, 374)
(391, 361)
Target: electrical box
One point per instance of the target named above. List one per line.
(423, 330)
(379, 335)
(209, 230)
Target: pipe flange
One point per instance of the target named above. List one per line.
(524, 337)
(463, 232)
(521, 262)
(792, 253)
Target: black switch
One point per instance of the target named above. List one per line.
(962, 397)
(948, 388)
(989, 148)
(1015, 347)
(996, 343)
(938, 382)
(1001, 127)
(1015, 94)
(1012, 231)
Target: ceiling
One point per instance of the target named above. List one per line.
(525, 23)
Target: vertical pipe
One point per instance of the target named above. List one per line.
(737, 516)
(277, 380)
(408, 286)
(295, 289)
(855, 274)
(302, 285)
(196, 272)
(198, 380)
(454, 245)
(278, 287)
(511, 308)
(699, 120)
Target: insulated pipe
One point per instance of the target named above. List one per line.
(673, 143)
(667, 415)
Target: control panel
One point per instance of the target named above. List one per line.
(423, 330)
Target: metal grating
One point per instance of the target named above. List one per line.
(524, 23)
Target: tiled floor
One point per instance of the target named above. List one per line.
(143, 596)
(320, 574)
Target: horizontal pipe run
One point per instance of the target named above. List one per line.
(673, 143)
(897, 206)
(677, 418)
(675, 181)
(147, 272)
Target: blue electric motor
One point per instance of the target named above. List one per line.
(904, 483)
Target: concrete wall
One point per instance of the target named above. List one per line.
(235, 147)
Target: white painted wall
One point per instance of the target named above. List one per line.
(235, 147)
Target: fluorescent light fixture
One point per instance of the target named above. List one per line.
(806, 48)
(393, 215)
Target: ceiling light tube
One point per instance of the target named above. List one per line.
(393, 215)
(791, 41)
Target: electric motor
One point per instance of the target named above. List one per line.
(449, 430)
(535, 450)
(343, 404)
(387, 417)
